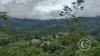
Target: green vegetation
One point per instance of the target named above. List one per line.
(37, 43)
(51, 39)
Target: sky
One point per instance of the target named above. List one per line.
(45, 9)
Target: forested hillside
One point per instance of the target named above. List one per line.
(89, 24)
(26, 37)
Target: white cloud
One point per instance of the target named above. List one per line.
(5, 1)
(52, 5)
(22, 1)
(45, 9)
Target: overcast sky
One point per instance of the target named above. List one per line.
(45, 9)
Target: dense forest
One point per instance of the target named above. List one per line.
(53, 25)
(26, 37)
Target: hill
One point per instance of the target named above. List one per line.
(90, 24)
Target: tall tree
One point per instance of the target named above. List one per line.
(75, 32)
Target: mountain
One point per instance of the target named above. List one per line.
(90, 24)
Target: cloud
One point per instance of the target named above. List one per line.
(45, 9)
(52, 5)
(92, 8)
(5, 1)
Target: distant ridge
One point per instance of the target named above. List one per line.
(90, 24)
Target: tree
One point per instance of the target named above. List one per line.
(3, 15)
(71, 15)
(3, 27)
(74, 30)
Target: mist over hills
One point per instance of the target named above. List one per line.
(89, 24)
